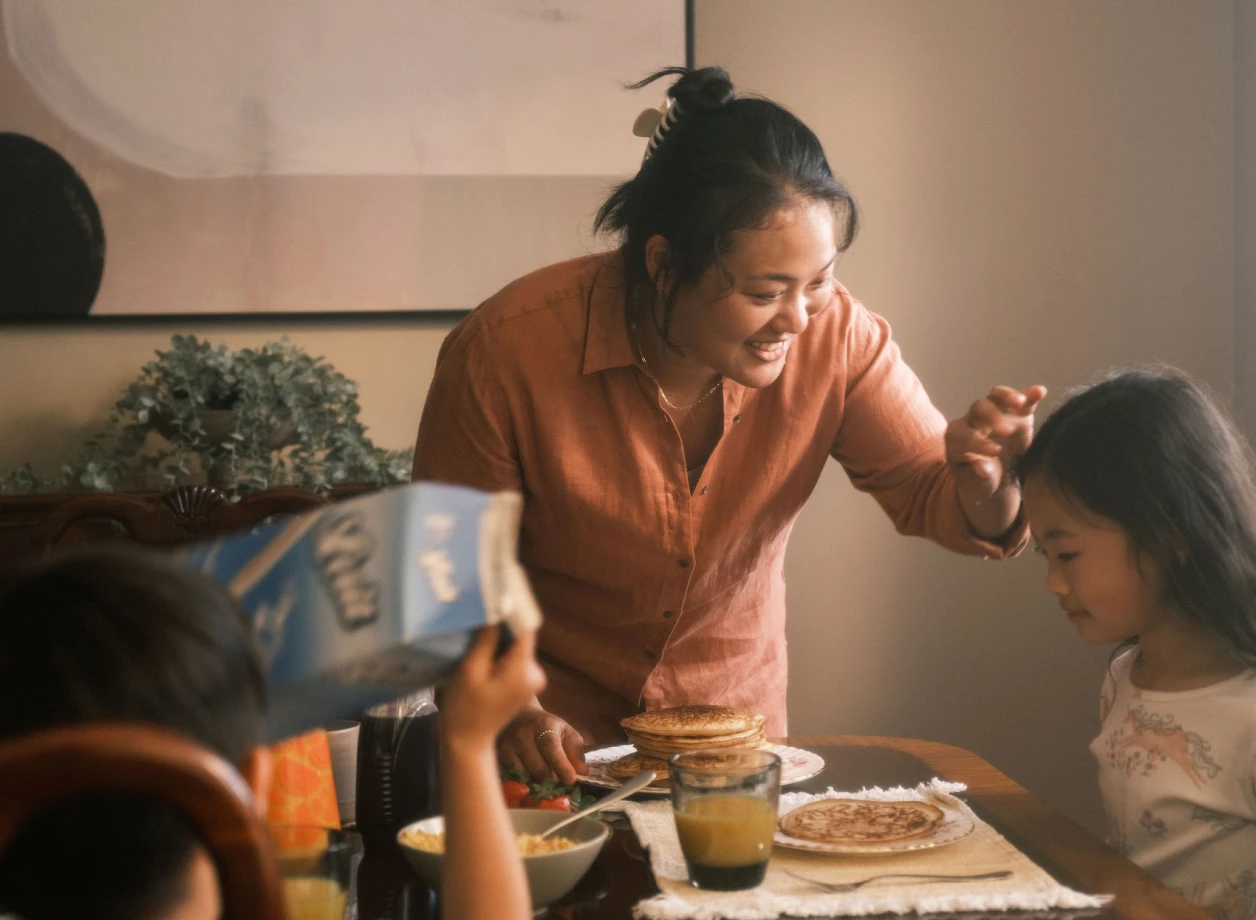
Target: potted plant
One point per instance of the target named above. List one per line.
(250, 420)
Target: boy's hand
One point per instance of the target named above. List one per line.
(486, 693)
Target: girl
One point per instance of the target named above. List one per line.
(1140, 494)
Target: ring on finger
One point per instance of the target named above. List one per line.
(548, 731)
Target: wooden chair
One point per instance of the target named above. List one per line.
(38, 769)
(182, 515)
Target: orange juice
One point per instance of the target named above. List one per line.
(726, 839)
(310, 898)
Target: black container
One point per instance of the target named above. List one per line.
(398, 775)
(388, 889)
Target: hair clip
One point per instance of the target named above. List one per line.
(655, 123)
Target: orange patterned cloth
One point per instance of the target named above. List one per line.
(302, 792)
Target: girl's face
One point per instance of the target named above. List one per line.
(782, 276)
(1108, 592)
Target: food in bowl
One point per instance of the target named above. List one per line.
(527, 844)
(550, 875)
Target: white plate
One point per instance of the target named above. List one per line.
(796, 766)
(956, 825)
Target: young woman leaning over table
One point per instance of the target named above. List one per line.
(666, 408)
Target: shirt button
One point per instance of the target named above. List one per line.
(647, 655)
(706, 489)
(683, 563)
(736, 418)
(668, 614)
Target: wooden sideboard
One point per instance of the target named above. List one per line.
(33, 524)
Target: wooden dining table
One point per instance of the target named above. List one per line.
(386, 889)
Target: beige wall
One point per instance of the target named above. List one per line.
(1047, 189)
(1245, 211)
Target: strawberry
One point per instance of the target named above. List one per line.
(555, 803)
(514, 787)
(550, 795)
(515, 792)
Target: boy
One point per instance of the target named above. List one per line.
(121, 634)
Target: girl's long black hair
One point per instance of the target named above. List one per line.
(1153, 452)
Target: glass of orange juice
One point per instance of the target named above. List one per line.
(316, 865)
(725, 806)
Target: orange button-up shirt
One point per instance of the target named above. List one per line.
(654, 595)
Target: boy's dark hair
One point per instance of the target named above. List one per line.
(1150, 451)
(728, 163)
(118, 634)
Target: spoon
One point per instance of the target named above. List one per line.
(636, 784)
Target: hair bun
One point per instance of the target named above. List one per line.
(703, 89)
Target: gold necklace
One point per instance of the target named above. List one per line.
(671, 405)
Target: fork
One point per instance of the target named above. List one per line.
(840, 887)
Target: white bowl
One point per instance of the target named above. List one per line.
(550, 875)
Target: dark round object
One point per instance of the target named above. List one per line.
(52, 242)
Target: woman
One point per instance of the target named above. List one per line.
(667, 408)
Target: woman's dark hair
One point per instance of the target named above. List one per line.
(729, 163)
(1152, 452)
(118, 634)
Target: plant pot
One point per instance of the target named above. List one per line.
(219, 424)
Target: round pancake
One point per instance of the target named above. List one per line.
(630, 765)
(693, 740)
(693, 721)
(859, 821)
(678, 744)
(663, 753)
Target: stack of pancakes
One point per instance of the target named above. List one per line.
(660, 733)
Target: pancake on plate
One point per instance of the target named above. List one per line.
(845, 822)
(693, 721)
(660, 733)
(628, 766)
(664, 750)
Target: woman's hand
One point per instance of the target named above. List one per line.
(544, 745)
(487, 692)
(981, 449)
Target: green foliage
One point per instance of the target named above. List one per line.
(249, 420)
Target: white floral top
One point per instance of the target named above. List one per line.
(1178, 776)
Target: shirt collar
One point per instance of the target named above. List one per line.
(606, 341)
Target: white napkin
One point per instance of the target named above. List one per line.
(984, 850)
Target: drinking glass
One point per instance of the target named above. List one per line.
(316, 866)
(725, 806)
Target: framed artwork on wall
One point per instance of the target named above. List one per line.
(309, 157)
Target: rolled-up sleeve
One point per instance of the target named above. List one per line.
(891, 444)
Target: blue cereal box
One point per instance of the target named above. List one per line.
(367, 600)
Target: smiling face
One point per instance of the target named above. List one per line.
(782, 276)
(1109, 592)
